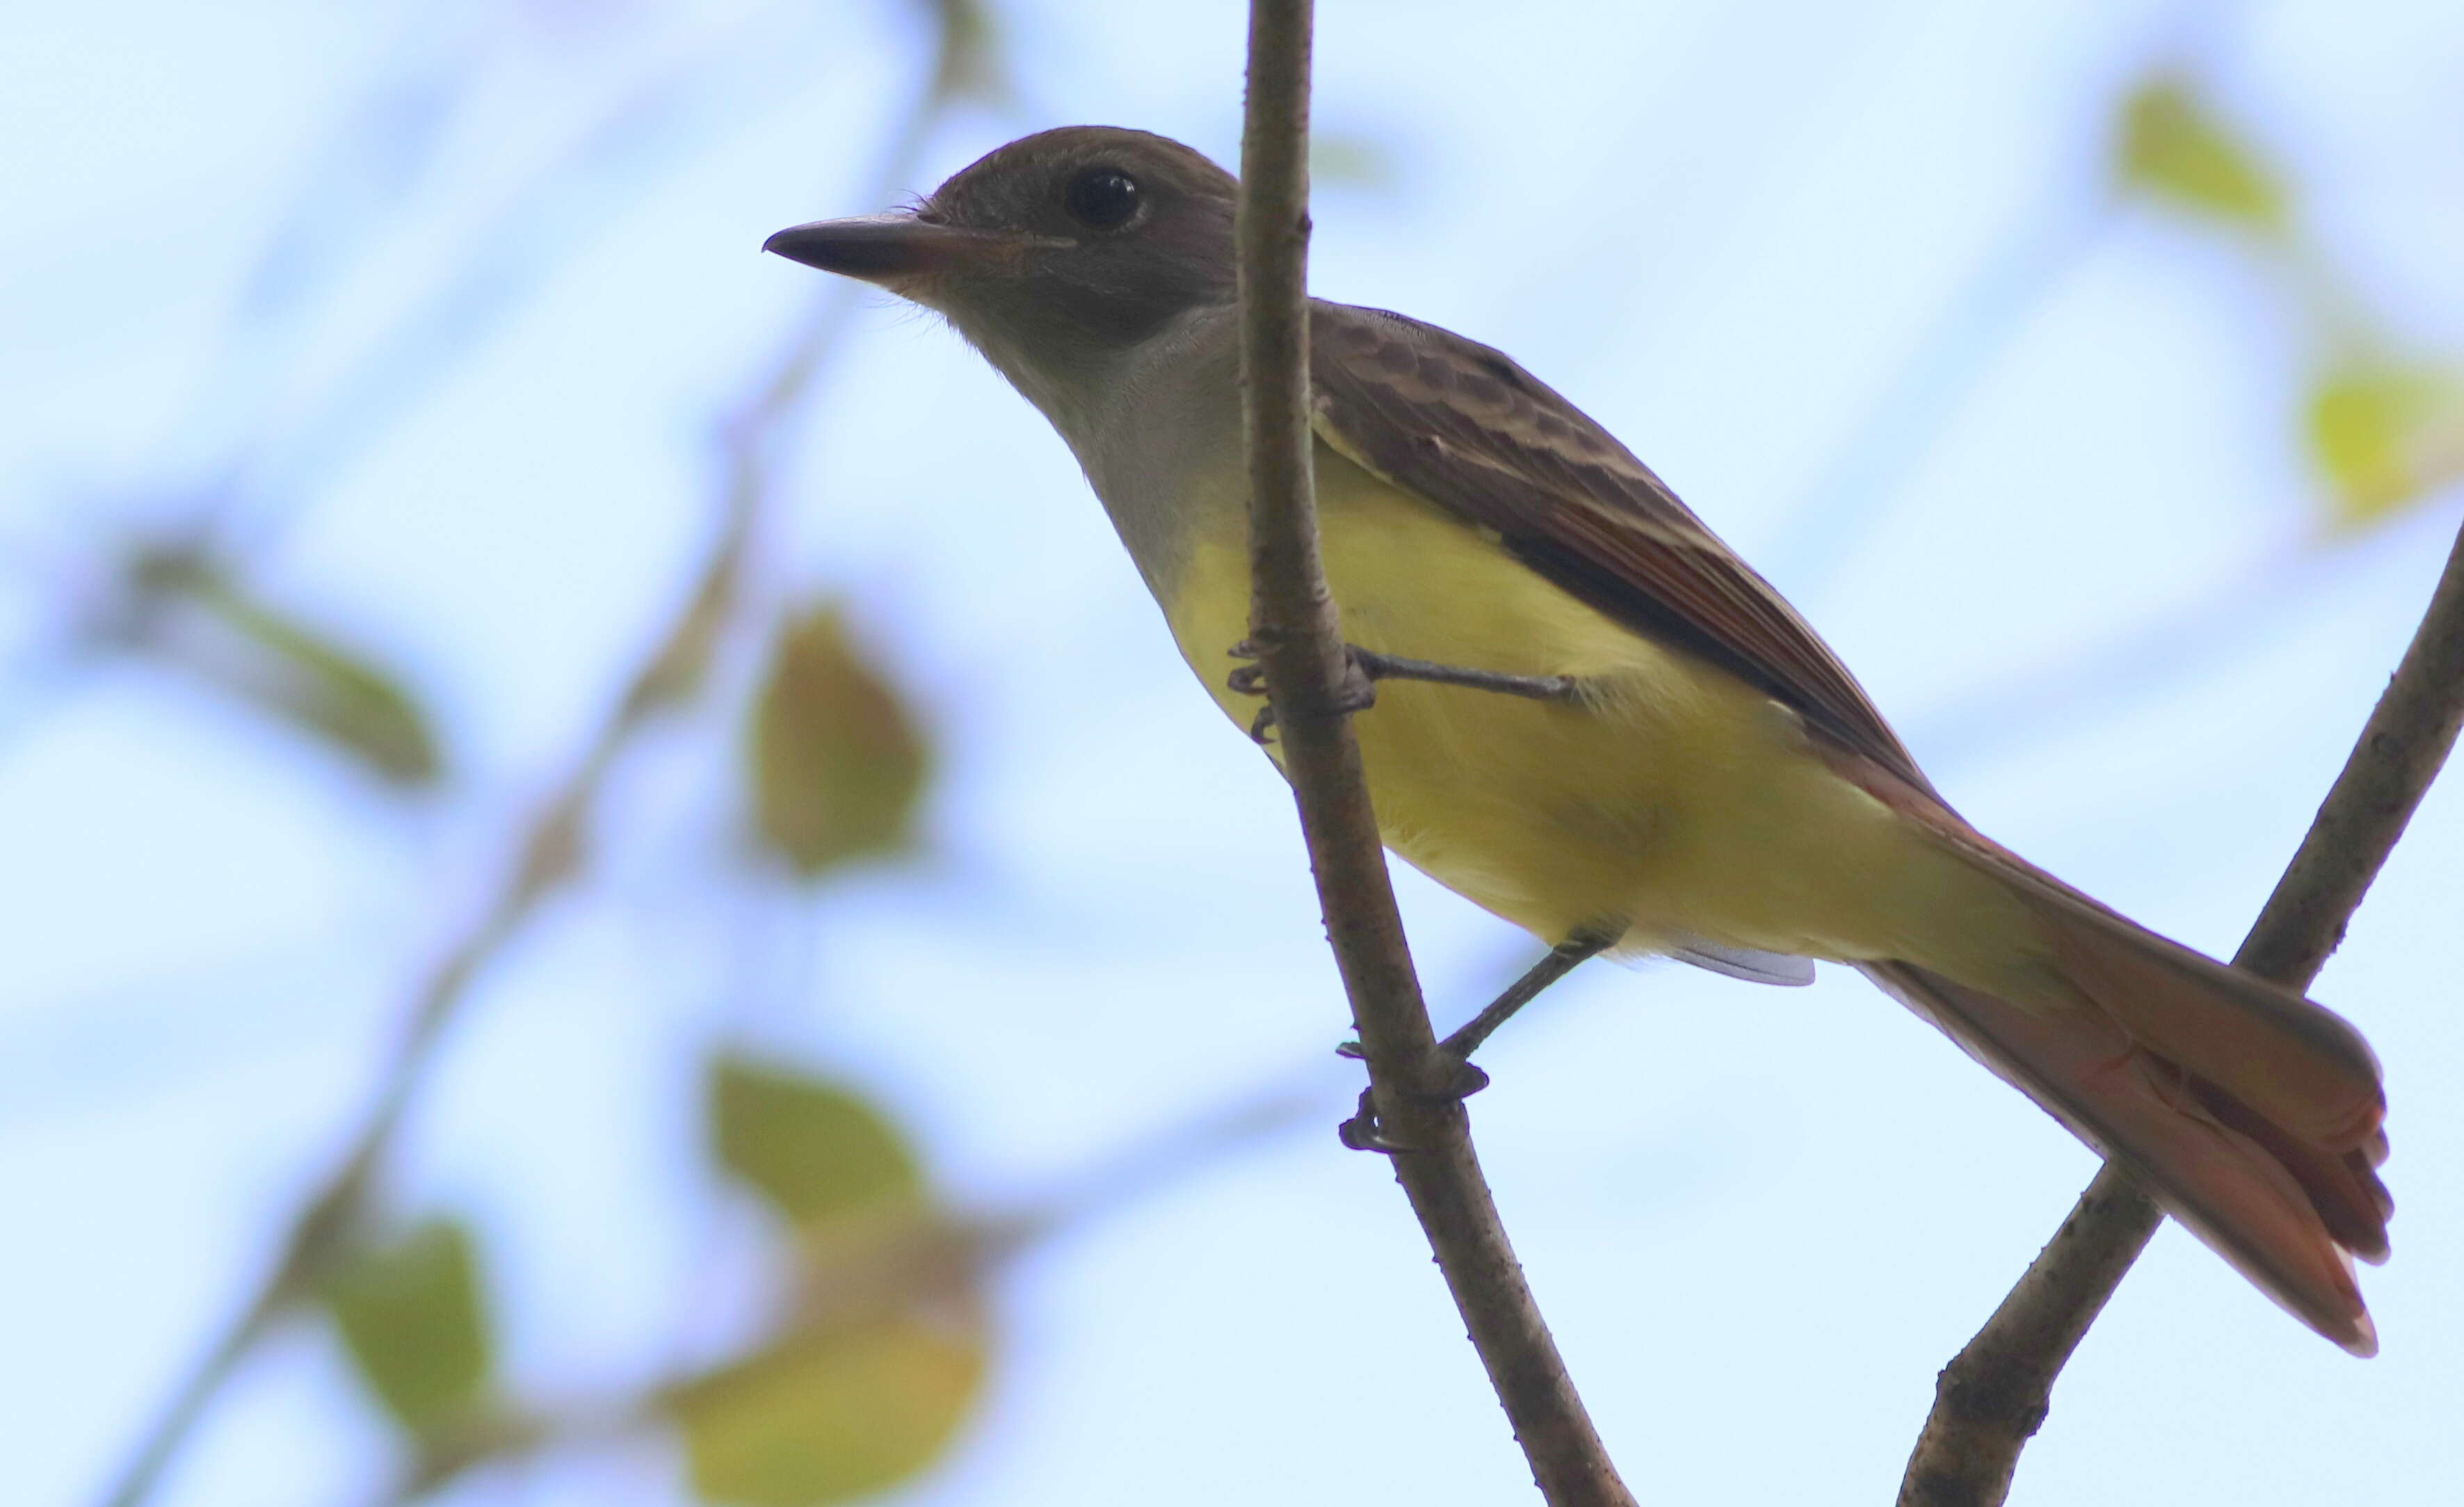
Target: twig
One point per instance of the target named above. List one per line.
(1294, 629)
(1994, 1394)
(547, 856)
(2228, 618)
(1822, 529)
(889, 1265)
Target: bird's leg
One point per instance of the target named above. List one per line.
(1451, 1058)
(1369, 667)
(1582, 947)
(1394, 667)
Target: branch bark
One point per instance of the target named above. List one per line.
(1299, 643)
(1994, 1394)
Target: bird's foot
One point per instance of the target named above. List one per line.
(1444, 1079)
(1356, 692)
(1448, 1075)
(1364, 1131)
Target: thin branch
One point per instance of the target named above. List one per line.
(1822, 529)
(885, 1268)
(2224, 621)
(1298, 642)
(1994, 1394)
(547, 856)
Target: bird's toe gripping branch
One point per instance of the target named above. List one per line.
(1365, 1131)
(1447, 1074)
(1359, 691)
(1368, 667)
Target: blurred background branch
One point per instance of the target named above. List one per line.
(2383, 425)
(331, 1232)
(873, 1359)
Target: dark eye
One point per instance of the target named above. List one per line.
(1101, 198)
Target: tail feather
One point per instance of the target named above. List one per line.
(2290, 1061)
(2344, 1189)
(2252, 1115)
(2286, 1212)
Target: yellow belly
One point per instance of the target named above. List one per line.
(1675, 801)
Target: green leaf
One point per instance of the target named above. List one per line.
(829, 1416)
(838, 760)
(410, 1316)
(2384, 434)
(283, 665)
(2176, 149)
(814, 1150)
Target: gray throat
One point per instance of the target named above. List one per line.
(1156, 427)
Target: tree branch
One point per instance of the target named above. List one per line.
(1994, 1394)
(883, 1268)
(550, 851)
(1300, 646)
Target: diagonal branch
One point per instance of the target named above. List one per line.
(874, 1272)
(549, 854)
(1298, 643)
(1994, 1394)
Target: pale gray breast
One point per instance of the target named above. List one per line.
(1159, 439)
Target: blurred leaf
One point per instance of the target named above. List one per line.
(830, 1415)
(838, 761)
(676, 671)
(297, 671)
(2385, 434)
(409, 1315)
(970, 65)
(2174, 149)
(1351, 161)
(446, 1451)
(814, 1150)
(337, 692)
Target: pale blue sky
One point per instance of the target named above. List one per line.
(1759, 1219)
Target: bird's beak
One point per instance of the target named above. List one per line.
(890, 248)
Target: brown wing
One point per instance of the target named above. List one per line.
(1463, 426)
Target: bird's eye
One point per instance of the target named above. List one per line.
(1101, 198)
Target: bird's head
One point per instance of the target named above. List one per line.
(1058, 249)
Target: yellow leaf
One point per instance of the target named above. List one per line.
(2384, 434)
(2176, 149)
(411, 1316)
(814, 1150)
(830, 1415)
(838, 760)
(1350, 161)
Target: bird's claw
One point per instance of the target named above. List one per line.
(1357, 692)
(1450, 1075)
(1364, 1131)
(1464, 1078)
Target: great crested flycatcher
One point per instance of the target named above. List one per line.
(1608, 727)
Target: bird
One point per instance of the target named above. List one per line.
(1591, 717)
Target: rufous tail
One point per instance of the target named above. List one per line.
(2250, 1113)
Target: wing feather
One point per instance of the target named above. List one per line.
(1464, 427)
